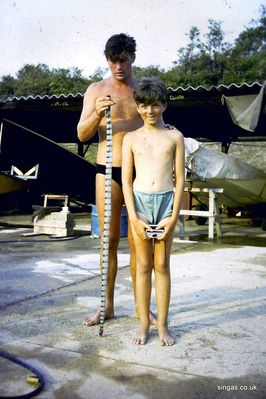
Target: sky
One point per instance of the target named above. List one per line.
(73, 33)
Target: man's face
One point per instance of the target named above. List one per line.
(121, 68)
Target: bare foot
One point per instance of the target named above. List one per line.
(141, 337)
(95, 318)
(165, 338)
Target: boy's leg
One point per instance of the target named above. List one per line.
(132, 248)
(163, 287)
(132, 259)
(144, 266)
(114, 237)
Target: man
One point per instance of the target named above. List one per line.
(116, 92)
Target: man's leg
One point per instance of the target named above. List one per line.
(114, 236)
(163, 288)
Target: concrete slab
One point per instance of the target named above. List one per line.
(217, 316)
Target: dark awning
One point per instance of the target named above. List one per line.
(197, 111)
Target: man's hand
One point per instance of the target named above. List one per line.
(102, 104)
(169, 127)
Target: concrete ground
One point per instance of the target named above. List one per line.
(217, 316)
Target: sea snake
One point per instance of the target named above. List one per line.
(107, 214)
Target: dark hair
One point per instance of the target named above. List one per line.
(119, 47)
(150, 90)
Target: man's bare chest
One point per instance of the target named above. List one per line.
(124, 108)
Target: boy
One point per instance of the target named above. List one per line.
(153, 199)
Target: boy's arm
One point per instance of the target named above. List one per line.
(127, 177)
(127, 185)
(179, 170)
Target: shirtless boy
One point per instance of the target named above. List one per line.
(153, 197)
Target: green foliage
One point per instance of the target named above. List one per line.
(67, 81)
(151, 70)
(202, 61)
(247, 59)
(212, 61)
(207, 60)
(33, 80)
(40, 80)
(98, 75)
(8, 86)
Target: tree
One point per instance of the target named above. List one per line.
(212, 61)
(202, 61)
(246, 61)
(207, 60)
(33, 80)
(151, 70)
(40, 80)
(67, 80)
(7, 87)
(98, 75)
(188, 54)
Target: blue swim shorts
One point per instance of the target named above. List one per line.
(154, 206)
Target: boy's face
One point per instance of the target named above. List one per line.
(121, 68)
(151, 113)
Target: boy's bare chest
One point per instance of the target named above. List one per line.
(154, 148)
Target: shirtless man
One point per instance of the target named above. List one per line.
(153, 197)
(120, 54)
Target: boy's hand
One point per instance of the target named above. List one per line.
(140, 228)
(168, 227)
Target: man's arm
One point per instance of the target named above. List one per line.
(93, 111)
(89, 120)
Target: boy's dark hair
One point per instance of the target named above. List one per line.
(119, 47)
(150, 90)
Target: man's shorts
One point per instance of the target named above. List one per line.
(154, 206)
